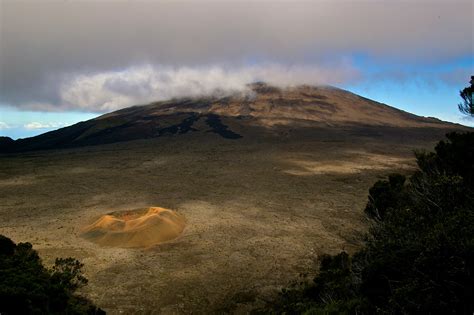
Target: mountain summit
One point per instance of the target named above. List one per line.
(271, 109)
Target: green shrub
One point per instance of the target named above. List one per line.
(385, 195)
(27, 287)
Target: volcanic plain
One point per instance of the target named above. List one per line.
(266, 185)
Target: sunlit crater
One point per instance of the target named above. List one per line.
(135, 228)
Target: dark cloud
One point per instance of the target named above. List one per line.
(47, 46)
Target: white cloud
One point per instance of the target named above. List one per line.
(112, 90)
(37, 125)
(4, 125)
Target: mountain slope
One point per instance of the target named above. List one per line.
(265, 107)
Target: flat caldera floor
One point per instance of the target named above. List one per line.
(259, 210)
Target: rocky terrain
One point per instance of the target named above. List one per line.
(267, 181)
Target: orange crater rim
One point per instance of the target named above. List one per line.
(135, 228)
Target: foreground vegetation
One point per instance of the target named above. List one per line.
(27, 287)
(418, 256)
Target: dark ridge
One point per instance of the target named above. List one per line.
(318, 105)
(263, 88)
(6, 142)
(83, 133)
(53, 139)
(195, 103)
(318, 97)
(325, 106)
(181, 128)
(123, 132)
(214, 121)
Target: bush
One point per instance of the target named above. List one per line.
(418, 257)
(27, 287)
(385, 195)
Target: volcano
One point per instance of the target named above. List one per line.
(260, 183)
(264, 109)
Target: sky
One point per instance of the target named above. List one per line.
(66, 61)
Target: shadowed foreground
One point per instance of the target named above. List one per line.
(259, 210)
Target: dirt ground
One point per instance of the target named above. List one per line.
(259, 210)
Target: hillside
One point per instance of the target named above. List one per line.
(271, 109)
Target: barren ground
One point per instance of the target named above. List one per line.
(259, 210)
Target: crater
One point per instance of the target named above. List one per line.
(135, 228)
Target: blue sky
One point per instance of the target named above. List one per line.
(423, 88)
(60, 64)
(23, 124)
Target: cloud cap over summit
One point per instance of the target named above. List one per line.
(45, 45)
